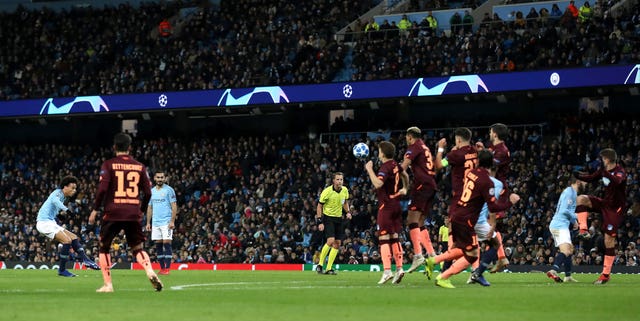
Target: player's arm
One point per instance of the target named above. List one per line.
(441, 162)
(319, 213)
(58, 203)
(103, 187)
(375, 180)
(149, 216)
(174, 208)
(405, 182)
(145, 187)
(497, 205)
(588, 177)
(346, 208)
(616, 178)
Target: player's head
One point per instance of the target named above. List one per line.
(609, 156)
(69, 184)
(485, 159)
(498, 131)
(463, 135)
(578, 185)
(337, 179)
(413, 133)
(122, 142)
(159, 178)
(387, 150)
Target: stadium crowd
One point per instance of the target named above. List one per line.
(252, 199)
(126, 49)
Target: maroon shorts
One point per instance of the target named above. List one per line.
(109, 230)
(422, 199)
(612, 216)
(464, 236)
(389, 219)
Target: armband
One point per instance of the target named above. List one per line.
(440, 150)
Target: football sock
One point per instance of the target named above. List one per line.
(458, 266)
(609, 256)
(558, 261)
(105, 267)
(332, 257)
(75, 245)
(500, 250)
(425, 239)
(167, 256)
(385, 253)
(476, 263)
(449, 255)
(323, 254)
(446, 265)
(568, 265)
(397, 253)
(582, 214)
(160, 254)
(487, 257)
(414, 234)
(143, 258)
(64, 257)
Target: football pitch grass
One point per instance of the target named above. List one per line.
(260, 295)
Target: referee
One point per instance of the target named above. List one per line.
(333, 199)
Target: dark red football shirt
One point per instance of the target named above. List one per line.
(462, 161)
(421, 164)
(124, 189)
(502, 160)
(389, 174)
(478, 189)
(615, 182)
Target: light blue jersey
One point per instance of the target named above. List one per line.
(566, 210)
(52, 206)
(161, 200)
(484, 213)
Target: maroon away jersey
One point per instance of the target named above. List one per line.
(122, 181)
(462, 161)
(421, 164)
(501, 159)
(389, 173)
(615, 186)
(478, 189)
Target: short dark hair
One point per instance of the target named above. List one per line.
(414, 132)
(501, 130)
(159, 171)
(68, 180)
(334, 174)
(122, 142)
(463, 132)
(388, 149)
(485, 159)
(609, 154)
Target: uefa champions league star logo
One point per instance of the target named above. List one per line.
(554, 79)
(470, 84)
(347, 91)
(275, 95)
(96, 102)
(163, 100)
(634, 76)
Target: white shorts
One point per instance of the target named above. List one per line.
(49, 228)
(159, 233)
(561, 236)
(482, 231)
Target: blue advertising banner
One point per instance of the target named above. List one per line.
(343, 91)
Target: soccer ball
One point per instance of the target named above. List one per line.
(361, 150)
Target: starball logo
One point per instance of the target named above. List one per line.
(471, 84)
(274, 95)
(96, 103)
